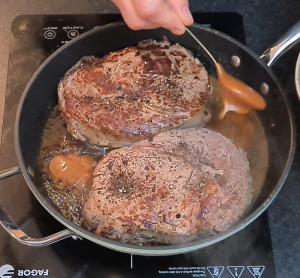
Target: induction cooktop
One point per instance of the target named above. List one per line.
(244, 255)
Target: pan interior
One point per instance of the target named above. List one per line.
(40, 98)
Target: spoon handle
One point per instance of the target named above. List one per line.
(200, 43)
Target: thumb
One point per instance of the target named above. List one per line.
(181, 7)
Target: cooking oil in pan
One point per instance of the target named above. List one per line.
(55, 141)
(245, 130)
(247, 133)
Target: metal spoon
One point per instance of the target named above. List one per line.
(236, 95)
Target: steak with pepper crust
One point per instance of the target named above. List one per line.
(135, 93)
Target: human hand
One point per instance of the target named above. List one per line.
(149, 14)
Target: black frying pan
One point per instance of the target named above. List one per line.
(40, 98)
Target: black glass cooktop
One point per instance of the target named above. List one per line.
(246, 254)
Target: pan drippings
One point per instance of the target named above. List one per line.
(72, 170)
(244, 129)
(247, 133)
(236, 95)
(57, 143)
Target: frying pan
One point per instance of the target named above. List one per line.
(40, 98)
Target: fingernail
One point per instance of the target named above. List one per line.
(187, 14)
(178, 31)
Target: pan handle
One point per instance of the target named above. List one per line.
(290, 38)
(13, 229)
(10, 172)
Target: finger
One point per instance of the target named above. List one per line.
(158, 12)
(132, 19)
(181, 7)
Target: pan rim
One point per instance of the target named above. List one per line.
(154, 250)
(297, 76)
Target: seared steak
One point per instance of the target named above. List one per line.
(134, 93)
(182, 183)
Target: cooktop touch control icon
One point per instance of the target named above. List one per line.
(215, 271)
(50, 34)
(236, 271)
(256, 271)
(73, 34)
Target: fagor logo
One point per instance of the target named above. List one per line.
(6, 271)
(33, 272)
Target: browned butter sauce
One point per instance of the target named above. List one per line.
(58, 147)
(72, 170)
(236, 95)
(68, 195)
(246, 132)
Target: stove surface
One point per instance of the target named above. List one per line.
(246, 254)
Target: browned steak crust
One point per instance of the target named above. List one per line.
(134, 93)
(183, 183)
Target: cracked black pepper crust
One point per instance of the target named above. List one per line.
(134, 94)
(183, 182)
